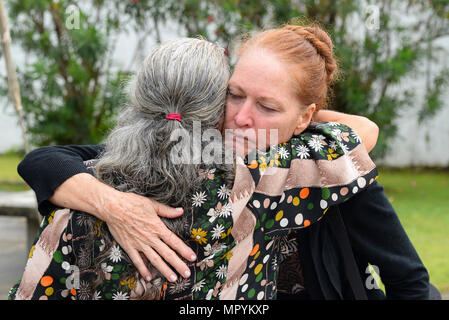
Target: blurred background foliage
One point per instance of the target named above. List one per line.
(71, 87)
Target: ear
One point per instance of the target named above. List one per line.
(304, 119)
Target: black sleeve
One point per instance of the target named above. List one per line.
(377, 237)
(46, 168)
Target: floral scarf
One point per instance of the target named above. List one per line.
(237, 234)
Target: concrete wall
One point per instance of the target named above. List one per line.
(420, 145)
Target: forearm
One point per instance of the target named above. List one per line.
(46, 168)
(366, 129)
(84, 192)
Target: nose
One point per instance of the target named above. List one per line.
(244, 118)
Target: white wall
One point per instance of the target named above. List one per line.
(420, 145)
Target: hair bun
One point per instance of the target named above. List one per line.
(322, 42)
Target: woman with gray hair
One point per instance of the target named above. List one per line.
(185, 77)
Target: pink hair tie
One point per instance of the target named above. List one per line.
(173, 116)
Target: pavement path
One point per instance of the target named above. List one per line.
(13, 252)
(18, 223)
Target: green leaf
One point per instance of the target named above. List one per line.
(115, 276)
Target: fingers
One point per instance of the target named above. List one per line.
(172, 259)
(160, 265)
(169, 237)
(142, 232)
(140, 265)
(168, 212)
(177, 244)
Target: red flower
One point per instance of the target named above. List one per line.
(210, 18)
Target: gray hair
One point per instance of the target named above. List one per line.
(186, 76)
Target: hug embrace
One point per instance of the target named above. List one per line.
(300, 217)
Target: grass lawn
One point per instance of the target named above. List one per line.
(421, 201)
(9, 178)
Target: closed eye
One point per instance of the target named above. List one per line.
(233, 95)
(265, 108)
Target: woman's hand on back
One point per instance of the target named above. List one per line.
(133, 221)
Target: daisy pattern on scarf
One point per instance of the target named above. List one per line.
(116, 254)
(83, 291)
(198, 198)
(179, 286)
(356, 136)
(317, 142)
(199, 285)
(226, 211)
(334, 145)
(283, 153)
(120, 296)
(217, 231)
(221, 272)
(302, 152)
(344, 148)
(97, 295)
(210, 251)
(223, 192)
(326, 125)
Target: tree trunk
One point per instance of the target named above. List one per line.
(13, 84)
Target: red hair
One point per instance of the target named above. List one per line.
(310, 50)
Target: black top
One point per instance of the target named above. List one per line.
(46, 168)
(375, 232)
